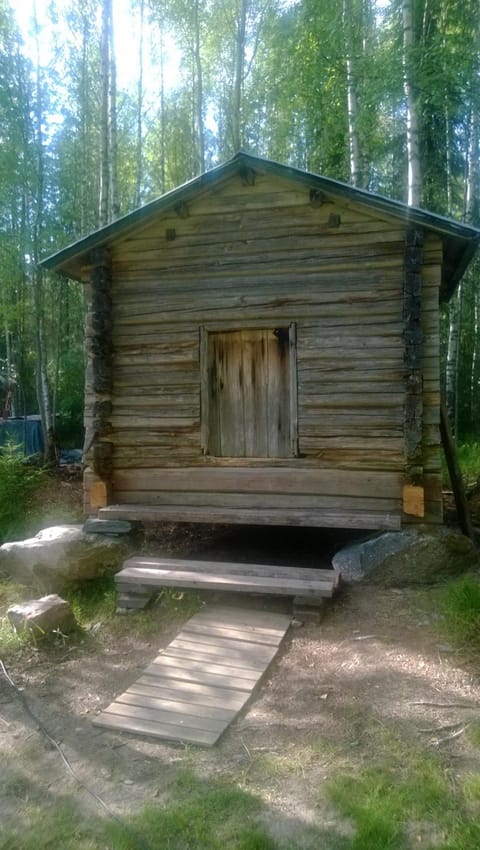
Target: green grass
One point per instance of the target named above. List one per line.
(201, 815)
(459, 604)
(93, 604)
(208, 816)
(468, 456)
(404, 799)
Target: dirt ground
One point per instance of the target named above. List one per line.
(377, 664)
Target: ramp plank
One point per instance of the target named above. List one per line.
(194, 689)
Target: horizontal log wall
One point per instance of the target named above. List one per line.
(261, 256)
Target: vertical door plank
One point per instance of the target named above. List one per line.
(249, 395)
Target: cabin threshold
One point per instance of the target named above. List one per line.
(309, 518)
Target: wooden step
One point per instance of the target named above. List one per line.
(144, 572)
(309, 518)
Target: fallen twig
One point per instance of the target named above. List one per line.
(444, 704)
(450, 737)
(440, 728)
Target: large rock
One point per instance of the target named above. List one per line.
(411, 557)
(62, 556)
(43, 616)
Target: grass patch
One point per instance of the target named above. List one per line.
(460, 608)
(93, 604)
(468, 456)
(404, 799)
(48, 827)
(473, 734)
(202, 816)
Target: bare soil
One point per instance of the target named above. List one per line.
(376, 665)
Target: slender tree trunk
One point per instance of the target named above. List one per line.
(139, 152)
(471, 198)
(199, 87)
(112, 120)
(238, 77)
(352, 105)
(104, 212)
(163, 151)
(414, 182)
(43, 389)
(451, 372)
(471, 183)
(84, 85)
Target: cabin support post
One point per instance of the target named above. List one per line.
(98, 450)
(413, 491)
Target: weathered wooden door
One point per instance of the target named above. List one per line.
(249, 393)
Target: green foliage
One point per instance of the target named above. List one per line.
(18, 483)
(460, 606)
(468, 455)
(93, 601)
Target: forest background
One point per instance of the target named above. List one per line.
(107, 104)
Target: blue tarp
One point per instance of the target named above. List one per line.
(25, 433)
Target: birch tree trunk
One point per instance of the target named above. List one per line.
(42, 382)
(414, 182)
(238, 76)
(139, 145)
(112, 122)
(352, 105)
(104, 212)
(197, 58)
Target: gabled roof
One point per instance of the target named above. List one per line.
(460, 241)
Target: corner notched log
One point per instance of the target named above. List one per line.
(413, 357)
(98, 451)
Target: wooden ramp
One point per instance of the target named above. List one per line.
(196, 686)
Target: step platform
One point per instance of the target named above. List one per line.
(194, 688)
(142, 576)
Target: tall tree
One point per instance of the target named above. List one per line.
(414, 181)
(108, 201)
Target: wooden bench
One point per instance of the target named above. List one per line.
(141, 575)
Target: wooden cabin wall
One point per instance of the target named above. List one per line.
(259, 256)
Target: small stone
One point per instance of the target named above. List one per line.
(42, 616)
(128, 782)
(110, 526)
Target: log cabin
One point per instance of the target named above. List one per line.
(263, 348)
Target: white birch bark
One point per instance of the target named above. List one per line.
(352, 104)
(139, 145)
(414, 180)
(104, 212)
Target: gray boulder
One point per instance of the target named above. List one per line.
(61, 556)
(42, 616)
(411, 557)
